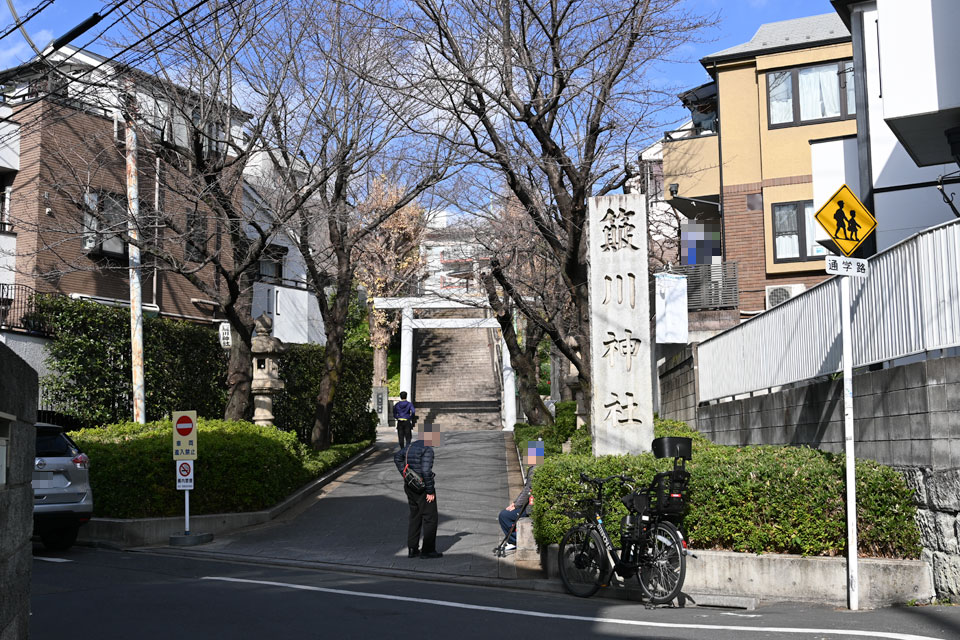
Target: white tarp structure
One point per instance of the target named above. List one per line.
(671, 301)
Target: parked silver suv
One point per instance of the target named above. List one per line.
(62, 499)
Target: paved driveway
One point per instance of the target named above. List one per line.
(361, 518)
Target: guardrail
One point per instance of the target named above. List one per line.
(908, 304)
(17, 309)
(710, 286)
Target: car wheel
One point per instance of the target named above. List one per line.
(60, 539)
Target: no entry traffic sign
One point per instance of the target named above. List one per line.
(184, 475)
(184, 435)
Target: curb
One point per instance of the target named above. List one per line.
(120, 534)
(521, 584)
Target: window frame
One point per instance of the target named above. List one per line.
(96, 213)
(276, 255)
(844, 69)
(802, 243)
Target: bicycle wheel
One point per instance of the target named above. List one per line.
(664, 565)
(581, 561)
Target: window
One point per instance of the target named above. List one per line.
(818, 93)
(195, 247)
(271, 264)
(105, 224)
(794, 232)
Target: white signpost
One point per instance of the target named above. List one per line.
(184, 453)
(622, 399)
(844, 215)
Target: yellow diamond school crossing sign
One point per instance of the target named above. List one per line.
(846, 220)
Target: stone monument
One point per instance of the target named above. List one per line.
(621, 412)
(266, 382)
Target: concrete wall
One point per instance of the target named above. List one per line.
(18, 412)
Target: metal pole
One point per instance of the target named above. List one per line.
(186, 515)
(133, 261)
(853, 586)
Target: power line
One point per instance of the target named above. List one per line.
(26, 18)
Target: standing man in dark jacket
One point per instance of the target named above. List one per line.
(403, 413)
(423, 505)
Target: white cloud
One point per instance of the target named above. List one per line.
(19, 51)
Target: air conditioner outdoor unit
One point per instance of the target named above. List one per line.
(778, 294)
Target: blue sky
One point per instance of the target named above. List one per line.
(739, 20)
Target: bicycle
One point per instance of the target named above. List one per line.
(653, 546)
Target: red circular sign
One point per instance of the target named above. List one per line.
(185, 469)
(184, 425)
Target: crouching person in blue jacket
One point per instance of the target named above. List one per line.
(510, 515)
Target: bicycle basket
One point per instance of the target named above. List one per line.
(670, 489)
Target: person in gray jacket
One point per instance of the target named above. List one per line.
(510, 515)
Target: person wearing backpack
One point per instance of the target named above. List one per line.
(418, 457)
(403, 414)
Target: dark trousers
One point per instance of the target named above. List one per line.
(404, 432)
(507, 520)
(423, 516)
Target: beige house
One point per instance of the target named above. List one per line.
(741, 170)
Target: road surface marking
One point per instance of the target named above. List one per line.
(51, 559)
(592, 619)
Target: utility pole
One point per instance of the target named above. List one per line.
(133, 262)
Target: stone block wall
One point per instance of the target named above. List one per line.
(18, 411)
(678, 389)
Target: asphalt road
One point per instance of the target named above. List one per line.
(95, 593)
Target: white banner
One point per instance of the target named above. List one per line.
(671, 308)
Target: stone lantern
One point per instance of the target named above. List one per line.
(266, 383)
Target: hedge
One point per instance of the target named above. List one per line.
(184, 364)
(564, 426)
(241, 467)
(751, 499)
(294, 409)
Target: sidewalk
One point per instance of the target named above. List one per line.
(360, 519)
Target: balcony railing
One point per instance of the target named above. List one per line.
(710, 286)
(18, 309)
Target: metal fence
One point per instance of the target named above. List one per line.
(710, 286)
(17, 309)
(909, 304)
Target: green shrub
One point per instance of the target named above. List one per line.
(754, 499)
(581, 442)
(241, 467)
(301, 368)
(184, 365)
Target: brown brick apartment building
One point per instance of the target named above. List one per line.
(743, 168)
(64, 210)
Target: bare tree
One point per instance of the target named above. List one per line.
(389, 264)
(355, 124)
(554, 98)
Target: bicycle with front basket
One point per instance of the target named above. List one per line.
(653, 546)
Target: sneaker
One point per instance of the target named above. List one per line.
(510, 547)
(429, 555)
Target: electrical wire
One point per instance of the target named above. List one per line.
(17, 24)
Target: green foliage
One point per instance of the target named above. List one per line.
(184, 365)
(241, 467)
(754, 499)
(543, 367)
(357, 334)
(393, 370)
(565, 423)
(301, 368)
(581, 442)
